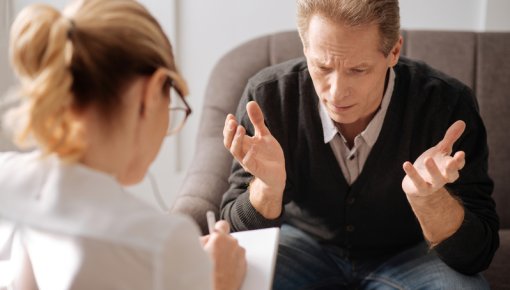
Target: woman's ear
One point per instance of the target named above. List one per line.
(154, 92)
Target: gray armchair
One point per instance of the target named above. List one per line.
(480, 60)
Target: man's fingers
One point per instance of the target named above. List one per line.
(249, 160)
(437, 178)
(415, 176)
(257, 118)
(229, 130)
(236, 149)
(452, 135)
(460, 159)
(454, 165)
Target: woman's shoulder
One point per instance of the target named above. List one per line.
(19, 173)
(16, 158)
(75, 200)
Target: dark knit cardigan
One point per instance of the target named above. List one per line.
(372, 217)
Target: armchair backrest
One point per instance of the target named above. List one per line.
(207, 178)
(480, 60)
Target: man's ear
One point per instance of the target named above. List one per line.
(395, 52)
(304, 43)
(153, 92)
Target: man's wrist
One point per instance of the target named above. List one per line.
(440, 214)
(265, 199)
(430, 201)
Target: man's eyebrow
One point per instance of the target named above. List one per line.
(322, 62)
(361, 64)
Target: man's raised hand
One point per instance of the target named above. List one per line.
(435, 167)
(260, 154)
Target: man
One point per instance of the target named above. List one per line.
(329, 161)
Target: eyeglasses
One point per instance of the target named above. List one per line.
(179, 109)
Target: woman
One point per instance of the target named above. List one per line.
(96, 81)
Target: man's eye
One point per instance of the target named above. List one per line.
(358, 70)
(323, 68)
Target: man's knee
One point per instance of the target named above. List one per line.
(418, 268)
(447, 280)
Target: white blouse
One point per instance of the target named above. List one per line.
(81, 230)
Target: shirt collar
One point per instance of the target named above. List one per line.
(371, 132)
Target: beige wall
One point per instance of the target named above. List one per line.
(6, 79)
(5, 20)
(497, 16)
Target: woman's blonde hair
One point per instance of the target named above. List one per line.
(384, 13)
(81, 57)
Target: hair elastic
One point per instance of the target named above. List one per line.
(72, 27)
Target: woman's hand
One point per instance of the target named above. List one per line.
(228, 258)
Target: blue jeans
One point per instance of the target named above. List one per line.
(302, 263)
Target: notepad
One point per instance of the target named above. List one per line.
(261, 249)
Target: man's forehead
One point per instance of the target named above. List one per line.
(346, 61)
(349, 57)
(327, 39)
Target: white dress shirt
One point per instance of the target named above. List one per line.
(81, 230)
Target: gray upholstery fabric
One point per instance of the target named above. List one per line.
(498, 273)
(451, 52)
(206, 179)
(493, 93)
(481, 60)
(284, 46)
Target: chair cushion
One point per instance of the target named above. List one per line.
(452, 52)
(498, 273)
(492, 89)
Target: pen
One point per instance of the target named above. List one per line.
(211, 220)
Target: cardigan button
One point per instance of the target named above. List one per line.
(350, 200)
(350, 228)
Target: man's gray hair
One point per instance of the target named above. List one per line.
(384, 13)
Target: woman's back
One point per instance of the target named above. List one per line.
(98, 84)
(82, 231)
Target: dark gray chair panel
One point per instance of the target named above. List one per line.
(493, 92)
(453, 53)
(206, 179)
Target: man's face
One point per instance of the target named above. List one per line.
(348, 69)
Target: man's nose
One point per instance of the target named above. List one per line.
(339, 87)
